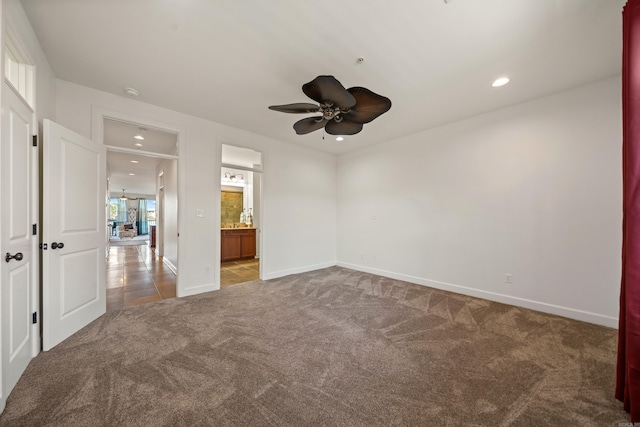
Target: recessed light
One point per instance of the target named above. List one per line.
(340, 138)
(140, 137)
(134, 161)
(500, 82)
(132, 174)
(138, 144)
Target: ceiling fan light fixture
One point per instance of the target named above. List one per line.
(123, 197)
(501, 81)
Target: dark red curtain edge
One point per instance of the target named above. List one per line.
(626, 376)
(621, 362)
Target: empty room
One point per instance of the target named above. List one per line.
(370, 213)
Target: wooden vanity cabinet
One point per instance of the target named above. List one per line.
(248, 244)
(237, 244)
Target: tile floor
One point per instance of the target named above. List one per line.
(136, 275)
(234, 272)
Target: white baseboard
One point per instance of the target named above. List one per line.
(571, 313)
(170, 266)
(208, 287)
(304, 269)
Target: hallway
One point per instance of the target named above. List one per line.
(136, 275)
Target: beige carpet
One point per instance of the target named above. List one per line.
(333, 347)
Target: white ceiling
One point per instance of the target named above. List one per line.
(122, 134)
(120, 165)
(228, 60)
(241, 157)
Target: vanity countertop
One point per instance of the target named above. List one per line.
(239, 228)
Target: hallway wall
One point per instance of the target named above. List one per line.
(169, 224)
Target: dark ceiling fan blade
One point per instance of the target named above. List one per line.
(300, 107)
(327, 88)
(343, 128)
(369, 105)
(309, 124)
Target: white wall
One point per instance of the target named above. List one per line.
(533, 190)
(299, 184)
(169, 225)
(17, 22)
(299, 195)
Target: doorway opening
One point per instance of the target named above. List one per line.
(141, 261)
(240, 215)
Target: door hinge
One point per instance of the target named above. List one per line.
(34, 229)
(34, 317)
(43, 246)
(35, 140)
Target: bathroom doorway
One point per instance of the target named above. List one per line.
(240, 215)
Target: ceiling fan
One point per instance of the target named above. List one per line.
(344, 111)
(123, 197)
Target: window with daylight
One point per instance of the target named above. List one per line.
(143, 210)
(18, 72)
(151, 211)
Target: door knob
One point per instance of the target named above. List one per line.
(56, 245)
(18, 257)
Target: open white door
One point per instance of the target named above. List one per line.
(19, 263)
(73, 265)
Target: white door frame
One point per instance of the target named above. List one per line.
(98, 116)
(160, 220)
(260, 172)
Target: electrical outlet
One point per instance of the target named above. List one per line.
(508, 278)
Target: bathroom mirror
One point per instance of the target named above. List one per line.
(231, 205)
